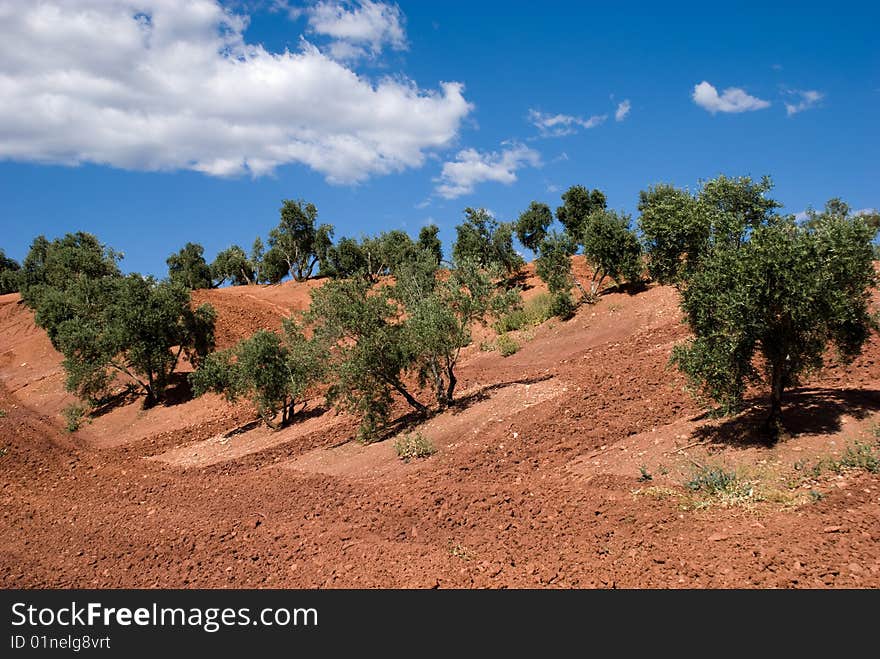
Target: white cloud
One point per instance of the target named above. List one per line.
(167, 85)
(558, 125)
(471, 167)
(357, 28)
(623, 109)
(733, 99)
(809, 98)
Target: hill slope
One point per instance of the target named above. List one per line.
(563, 465)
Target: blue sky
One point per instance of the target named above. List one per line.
(152, 123)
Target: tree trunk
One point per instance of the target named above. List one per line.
(773, 425)
(448, 399)
(409, 398)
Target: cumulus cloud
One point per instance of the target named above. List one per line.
(167, 85)
(623, 109)
(558, 125)
(807, 99)
(472, 167)
(732, 99)
(357, 29)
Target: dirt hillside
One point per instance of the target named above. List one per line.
(575, 462)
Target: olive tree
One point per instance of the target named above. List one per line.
(297, 241)
(439, 314)
(429, 241)
(781, 291)
(370, 356)
(604, 237)
(532, 224)
(274, 372)
(9, 274)
(612, 249)
(233, 265)
(139, 331)
(489, 243)
(188, 267)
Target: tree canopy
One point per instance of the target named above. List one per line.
(297, 242)
(188, 267)
(487, 242)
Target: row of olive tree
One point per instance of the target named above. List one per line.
(299, 247)
(370, 340)
(604, 237)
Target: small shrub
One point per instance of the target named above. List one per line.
(414, 445)
(507, 346)
(3, 451)
(563, 306)
(487, 346)
(510, 322)
(73, 416)
(2, 414)
(860, 456)
(533, 312)
(540, 308)
(460, 551)
(644, 475)
(711, 481)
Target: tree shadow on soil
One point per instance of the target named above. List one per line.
(484, 393)
(412, 419)
(811, 411)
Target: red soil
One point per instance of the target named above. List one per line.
(535, 482)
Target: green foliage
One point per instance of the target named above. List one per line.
(563, 306)
(784, 292)
(644, 475)
(712, 481)
(418, 325)
(274, 266)
(735, 206)
(675, 232)
(274, 372)
(532, 225)
(578, 204)
(233, 265)
(370, 355)
(414, 446)
(486, 242)
(297, 242)
(429, 241)
(345, 259)
(679, 229)
(856, 456)
(10, 274)
(140, 330)
(73, 416)
(554, 268)
(540, 308)
(376, 256)
(440, 312)
(76, 261)
(612, 249)
(507, 346)
(104, 323)
(188, 267)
